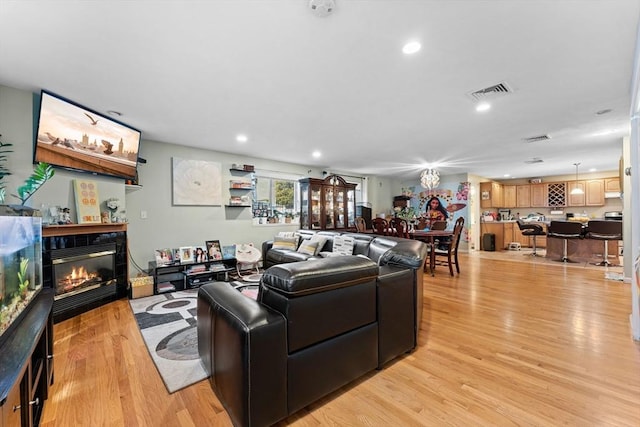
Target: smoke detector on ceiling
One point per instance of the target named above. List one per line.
(322, 7)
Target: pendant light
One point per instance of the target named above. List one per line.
(577, 189)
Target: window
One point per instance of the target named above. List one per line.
(276, 199)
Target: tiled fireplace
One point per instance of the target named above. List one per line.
(86, 265)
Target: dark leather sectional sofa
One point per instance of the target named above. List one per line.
(316, 325)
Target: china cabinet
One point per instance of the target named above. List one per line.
(327, 204)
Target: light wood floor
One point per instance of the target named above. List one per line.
(504, 344)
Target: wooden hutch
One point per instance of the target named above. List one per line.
(327, 204)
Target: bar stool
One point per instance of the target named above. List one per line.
(531, 230)
(565, 230)
(605, 230)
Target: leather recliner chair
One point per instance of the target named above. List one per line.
(316, 326)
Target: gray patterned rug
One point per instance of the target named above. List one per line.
(167, 323)
(168, 326)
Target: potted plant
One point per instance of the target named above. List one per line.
(288, 217)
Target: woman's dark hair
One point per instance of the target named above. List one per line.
(439, 208)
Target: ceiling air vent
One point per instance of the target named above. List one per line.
(534, 160)
(491, 91)
(536, 138)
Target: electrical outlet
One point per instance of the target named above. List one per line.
(143, 214)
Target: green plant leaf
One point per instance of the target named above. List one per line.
(41, 174)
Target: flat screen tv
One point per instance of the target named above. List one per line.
(71, 136)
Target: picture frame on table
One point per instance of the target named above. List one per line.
(228, 251)
(200, 254)
(176, 255)
(164, 257)
(186, 254)
(214, 250)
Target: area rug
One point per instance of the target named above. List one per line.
(168, 326)
(167, 323)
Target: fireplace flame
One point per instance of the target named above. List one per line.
(79, 277)
(80, 274)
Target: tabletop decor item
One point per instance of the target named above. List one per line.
(113, 204)
(87, 201)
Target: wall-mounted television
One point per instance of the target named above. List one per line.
(71, 136)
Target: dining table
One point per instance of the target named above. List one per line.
(429, 237)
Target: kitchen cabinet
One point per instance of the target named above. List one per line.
(612, 185)
(327, 204)
(538, 195)
(509, 195)
(523, 196)
(493, 228)
(491, 195)
(576, 199)
(507, 232)
(556, 194)
(594, 192)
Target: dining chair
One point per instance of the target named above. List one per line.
(448, 255)
(439, 225)
(399, 227)
(380, 226)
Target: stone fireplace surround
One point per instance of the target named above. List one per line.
(79, 236)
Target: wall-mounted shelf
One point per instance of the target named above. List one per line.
(128, 188)
(238, 206)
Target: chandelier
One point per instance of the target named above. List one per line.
(430, 178)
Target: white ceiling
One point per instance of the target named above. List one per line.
(197, 73)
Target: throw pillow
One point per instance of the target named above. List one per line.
(321, 241)
(343, 245)
(308, 247)
(285, 243)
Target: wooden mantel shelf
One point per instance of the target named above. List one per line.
(71, 229)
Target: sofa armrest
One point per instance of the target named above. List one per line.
(243, 346)
(265, 248)
(407, 253)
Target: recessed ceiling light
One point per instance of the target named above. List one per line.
(242, 138)
(506, 175)
(316, 154)
(593, 170)
(483, 106)
(411, 48)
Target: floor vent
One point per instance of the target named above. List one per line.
(496, 90)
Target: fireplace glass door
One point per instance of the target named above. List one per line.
(77, 270)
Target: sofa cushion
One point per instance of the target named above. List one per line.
(280, 242)
(308, 247)
(320, 242)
